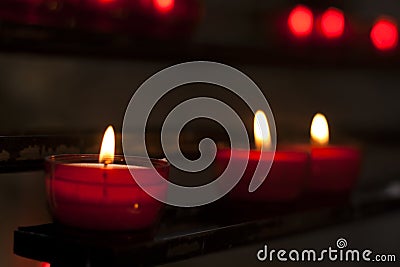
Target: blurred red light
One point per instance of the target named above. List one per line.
(384, 34)
(106, 1)
(300, 21)
(332, 23)
(44, 264)
(164, 6)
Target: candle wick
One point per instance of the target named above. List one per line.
(105, 183)
(105, 193)
(106, 162)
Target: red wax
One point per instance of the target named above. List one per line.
(86, 194)
(285, 181)
(334, 169)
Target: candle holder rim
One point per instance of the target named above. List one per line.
(62, 158)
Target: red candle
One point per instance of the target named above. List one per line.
(286, 179)
(103, 196)
(334, 169)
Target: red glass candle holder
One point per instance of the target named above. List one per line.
(285, 181)
(86, 194)
(334, 169)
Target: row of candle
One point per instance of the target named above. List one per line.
(98, 191)
(316, 168)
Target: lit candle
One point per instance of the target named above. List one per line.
(287, 177)
(107, 149)
(262, 135)
(98, 191)
(334, 169)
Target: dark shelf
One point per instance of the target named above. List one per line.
(186, 233)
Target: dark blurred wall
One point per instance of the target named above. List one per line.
(45, 94)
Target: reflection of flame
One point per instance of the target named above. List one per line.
(107, 150)
(262, 135)
(319, 130)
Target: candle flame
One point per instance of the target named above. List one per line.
(319, 130)
(262, 135)
(107, 150)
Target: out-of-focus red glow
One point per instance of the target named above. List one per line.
(106, 1)
(164, 6)
(332, 23)
(300, 21)
(384, 34)
(44, 264)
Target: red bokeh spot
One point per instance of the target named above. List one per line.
(300, 21)
(332, 23)
(44, 264)
(106, 1)
(384, 34)
(164, 6)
